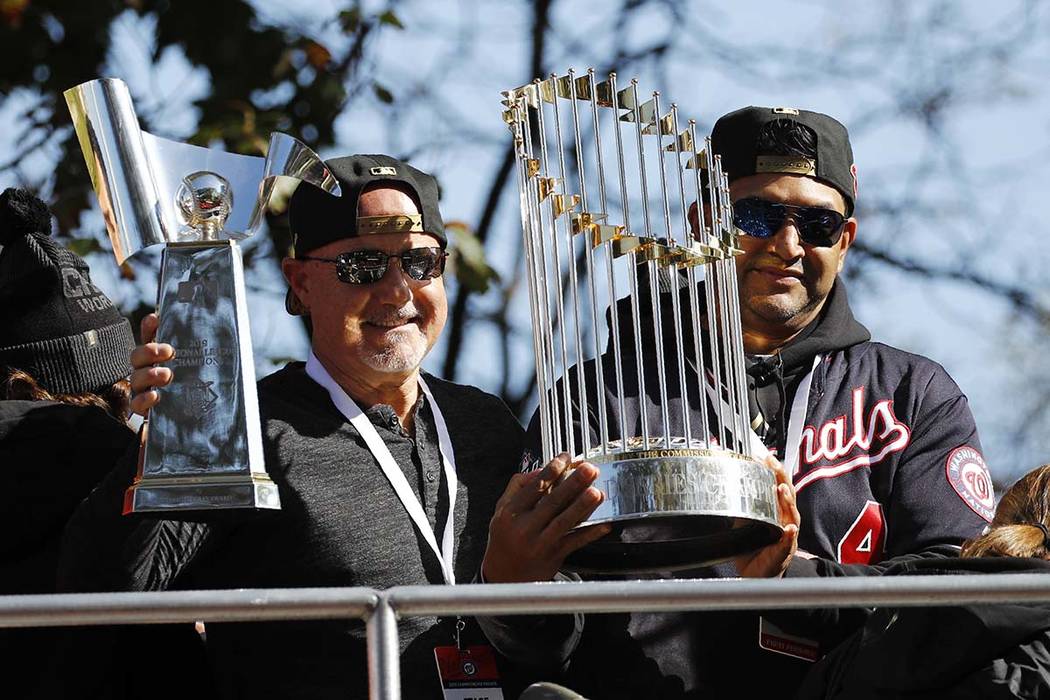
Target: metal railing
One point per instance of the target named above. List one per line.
(381, 609)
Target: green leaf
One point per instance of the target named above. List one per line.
(83, 246)
(384, 95)
(468, 260)
(350, 19)
(391, 19)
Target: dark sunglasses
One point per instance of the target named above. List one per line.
(816, 226)
(369, 266)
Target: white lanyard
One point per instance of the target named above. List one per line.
(798, 419)
(795, 422)
(393, 473)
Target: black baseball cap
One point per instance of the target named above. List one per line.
(317, 218)
(735, 137)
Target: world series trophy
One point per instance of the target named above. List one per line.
(606, 179)
(203, 446)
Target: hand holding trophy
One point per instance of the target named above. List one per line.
(203, 446)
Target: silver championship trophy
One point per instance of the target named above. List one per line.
(639, 364)
(203, 447)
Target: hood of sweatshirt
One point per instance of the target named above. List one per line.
(774, 379)
(835, 328)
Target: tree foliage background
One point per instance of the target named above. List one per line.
(946, 103)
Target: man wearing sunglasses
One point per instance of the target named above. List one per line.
(879, 443)
(388, 476)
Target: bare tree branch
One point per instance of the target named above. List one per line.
(1021, 299)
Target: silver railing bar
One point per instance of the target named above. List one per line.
(519, 599)
(382, 609)
(384, 668)
(717, 594)
(242, 605)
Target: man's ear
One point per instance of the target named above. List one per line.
(694, 219)
(295, 274)
(849, 234)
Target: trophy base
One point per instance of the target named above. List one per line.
(203, 494)
(678, 509)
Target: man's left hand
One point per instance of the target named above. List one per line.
(772, 560)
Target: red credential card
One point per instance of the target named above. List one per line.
(469, 673)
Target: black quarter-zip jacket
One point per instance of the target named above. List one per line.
(340, 525)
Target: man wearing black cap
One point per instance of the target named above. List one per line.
(387, 475)
(879, 443)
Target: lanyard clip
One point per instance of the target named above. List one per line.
(460, 626)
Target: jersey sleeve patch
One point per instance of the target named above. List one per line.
(968, 475)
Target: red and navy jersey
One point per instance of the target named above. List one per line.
(889, 459)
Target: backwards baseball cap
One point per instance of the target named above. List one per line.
(317, 218)
(736, 137)
(54, 323)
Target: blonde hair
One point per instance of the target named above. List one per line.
(16, 385)
(1021, 527)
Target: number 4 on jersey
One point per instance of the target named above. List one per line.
(863, 543)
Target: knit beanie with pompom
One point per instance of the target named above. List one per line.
(54, 323)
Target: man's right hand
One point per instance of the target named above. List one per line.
(532, 531)
(146, 378)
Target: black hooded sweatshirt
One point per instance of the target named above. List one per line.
(889, 466)
(51, 456)
(772, 380)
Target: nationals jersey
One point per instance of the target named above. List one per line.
(885, 459)
(888, 461)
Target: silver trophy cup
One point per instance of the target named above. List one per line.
(636, 323)
(203, 447)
